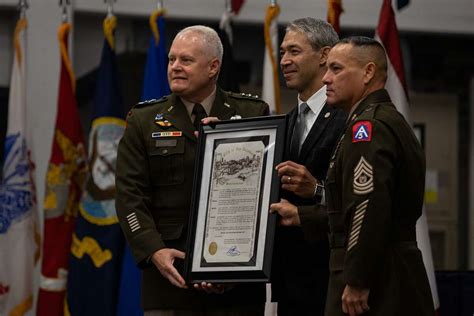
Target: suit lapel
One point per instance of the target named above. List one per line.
(324, 117)
(179, 117)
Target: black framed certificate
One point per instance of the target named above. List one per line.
(231, 230)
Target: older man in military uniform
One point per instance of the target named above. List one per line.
(155, 168)
(374, 193)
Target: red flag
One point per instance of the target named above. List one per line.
(387, 34)
(334, 12)
(64, 183)
(237, 5)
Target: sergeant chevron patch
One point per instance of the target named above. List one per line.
(133, 222)
(363, 177)
(357, 224)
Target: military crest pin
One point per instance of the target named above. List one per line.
(164, 123)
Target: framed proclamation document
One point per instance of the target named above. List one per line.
(231, 230)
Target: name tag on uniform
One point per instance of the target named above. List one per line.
(166, 134)
(166, 142)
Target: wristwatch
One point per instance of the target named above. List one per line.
(318, 190)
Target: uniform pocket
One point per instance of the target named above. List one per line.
(166, 157)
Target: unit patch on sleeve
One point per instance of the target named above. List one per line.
(363, 177)
(362, 132)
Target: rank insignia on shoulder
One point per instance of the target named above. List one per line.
(147, 102)
(166, 134)
(163, 123)
(362, 132)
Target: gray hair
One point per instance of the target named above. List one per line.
(212, 42)
(319, 33)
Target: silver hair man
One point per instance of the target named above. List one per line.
(212, 42)
(319, 32)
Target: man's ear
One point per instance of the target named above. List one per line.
(214, 67)
(324, 55)
(369, 72)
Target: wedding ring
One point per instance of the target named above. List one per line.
(289, 180)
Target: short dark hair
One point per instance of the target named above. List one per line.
(371, 50)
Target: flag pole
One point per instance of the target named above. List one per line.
(23, 6)
(64, 4)
(110, 7)
(159, 5)
(228, 6)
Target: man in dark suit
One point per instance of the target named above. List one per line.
(154, 179)
(301, 252)
(374, 191)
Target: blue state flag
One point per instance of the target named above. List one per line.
(155, 85)
(98, 242)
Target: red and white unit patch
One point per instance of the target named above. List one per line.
(362, 132)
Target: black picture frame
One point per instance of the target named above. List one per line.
(236, 159)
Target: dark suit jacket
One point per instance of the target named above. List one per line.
(154, 181)
(301, 255)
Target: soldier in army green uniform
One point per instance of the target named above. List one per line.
(374, 193)
(155, 167)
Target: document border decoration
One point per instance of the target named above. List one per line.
(231, 230)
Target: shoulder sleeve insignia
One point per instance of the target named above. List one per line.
(362, 132)
(363, 177)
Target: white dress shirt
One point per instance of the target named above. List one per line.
(315, 103)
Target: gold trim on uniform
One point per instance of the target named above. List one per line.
(357, 224)
(363, 177)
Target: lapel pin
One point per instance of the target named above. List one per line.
(328, 114)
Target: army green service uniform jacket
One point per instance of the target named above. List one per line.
(374, 194)
(154, 180)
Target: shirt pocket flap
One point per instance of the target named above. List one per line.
(167, 147)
